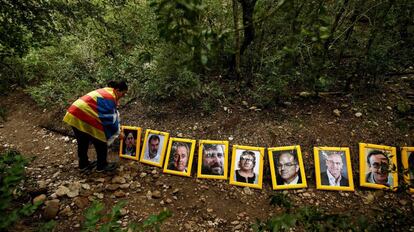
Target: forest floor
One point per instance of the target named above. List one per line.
(207, 204)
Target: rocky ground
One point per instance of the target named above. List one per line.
(204, 204)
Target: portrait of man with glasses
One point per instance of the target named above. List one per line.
(333, 174)
(378, 168)
(287, 168)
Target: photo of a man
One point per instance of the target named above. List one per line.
(287, 167)
(152, 152)
(333, 168)
(378, 168)
(179, 157)
(213, 159)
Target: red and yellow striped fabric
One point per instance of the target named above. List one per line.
(95, 114)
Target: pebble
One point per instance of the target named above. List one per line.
(112, 187)
(358, 114)
(124, 186)
(40, 198)
(51, 209)
(81, 202)
(118, 180)
(61, 191)
(119, 193)
(156, 194)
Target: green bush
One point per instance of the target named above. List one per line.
(12, 173)
(95, 214)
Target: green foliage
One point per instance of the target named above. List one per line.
(95, 214)
(175, 50)
(12, 173)
(154, 221)
(46, 227)
(3, 114)
(308, 219)
(281, 200)
(403, 107)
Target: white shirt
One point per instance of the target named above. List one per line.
(332, 180)
(156, 159)
(294, 181)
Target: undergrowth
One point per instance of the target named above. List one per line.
(97, 220)
(12, 174)
(314, 219)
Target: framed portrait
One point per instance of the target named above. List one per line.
(180, 156)
(333, 168)
(407, 158)
(247, 166)
(153, 149)
(130, 145)
(212, 159)
(286, 167)
(378, 166)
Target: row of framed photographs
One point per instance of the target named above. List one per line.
(378, 163)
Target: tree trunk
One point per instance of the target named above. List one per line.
(249, 33)
(236, 39)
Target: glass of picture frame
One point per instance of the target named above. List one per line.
(247, 166)
(378, 166)
(213, 159)
(179, 158)
(407, 158)
(154, 147)
(333, 168)
(130, 145)
(286, 167)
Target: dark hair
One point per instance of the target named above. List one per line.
(153, 137)
(209, 146)
(290, 152)
(375, 152)
(118, 85)
(250, 153)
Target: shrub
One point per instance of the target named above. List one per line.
(12, 173)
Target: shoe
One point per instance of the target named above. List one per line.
(109, 167)
(89, 167)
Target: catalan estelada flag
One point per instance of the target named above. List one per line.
(96, 114)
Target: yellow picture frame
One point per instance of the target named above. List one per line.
(408, 165)
(295, 154)
(152, 136)
(366, 174)
(257, 154)
(173, 165)
(215, 148)
(327, 162)
(125, 149)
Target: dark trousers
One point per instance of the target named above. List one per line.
(101, 148)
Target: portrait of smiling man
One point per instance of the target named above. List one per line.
(334, 166)
(287, 168)
(378, 168)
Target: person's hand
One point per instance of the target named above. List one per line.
(121, 136)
